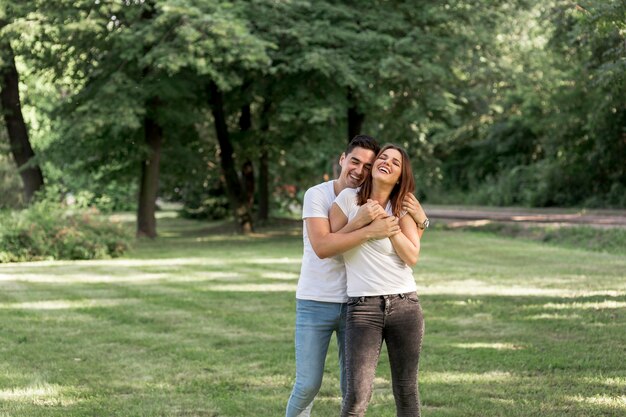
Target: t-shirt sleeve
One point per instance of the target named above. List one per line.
(346, 200)
(314, 205)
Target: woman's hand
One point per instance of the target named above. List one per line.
(383, 227)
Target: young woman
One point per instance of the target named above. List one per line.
(382, 304)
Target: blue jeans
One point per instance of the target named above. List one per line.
(396, 319)
(315, 323)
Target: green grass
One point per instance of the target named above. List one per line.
(612, 240)
(200, 323)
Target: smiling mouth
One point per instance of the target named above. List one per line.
(355, 178)
(384, 169)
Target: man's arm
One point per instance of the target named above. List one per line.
(327, 243)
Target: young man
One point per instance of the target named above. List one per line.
(321, 294)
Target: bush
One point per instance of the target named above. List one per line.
(10, 183)
(206, 204)
(47, 230)
(109, 198)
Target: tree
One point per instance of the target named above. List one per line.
(21, 148)
(148, 59)
(234, 189)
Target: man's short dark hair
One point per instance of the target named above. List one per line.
(363, 141)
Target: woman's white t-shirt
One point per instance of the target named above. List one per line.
(373, 268)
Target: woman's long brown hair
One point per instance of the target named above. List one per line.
(405, 185)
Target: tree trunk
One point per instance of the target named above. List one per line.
(153, 136)
(247, 175)
(355, 117)
(247, 169)
(149, 187)
(16, 128)
(264, 177)
(264, 192)
(234, 189)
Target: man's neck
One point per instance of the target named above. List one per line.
(338, 186)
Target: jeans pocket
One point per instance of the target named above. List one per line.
(413, 298)
(354, 301)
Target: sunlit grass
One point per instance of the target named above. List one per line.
(616, 402)
(496, 346)
(63, 304)
(43, 395)
(200, 322)
(602, 305)
(466, 377)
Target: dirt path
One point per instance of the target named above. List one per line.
(467, 216)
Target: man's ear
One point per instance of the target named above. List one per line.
(342, 157)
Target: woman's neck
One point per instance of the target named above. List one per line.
(381, 192)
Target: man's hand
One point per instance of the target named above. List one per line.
(412, 206)
(384, 227)
(369, 212)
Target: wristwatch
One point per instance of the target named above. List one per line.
(424, 224)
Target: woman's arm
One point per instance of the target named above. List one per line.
(327, 242)
(407, 243)
(413, 207)
(337, 218)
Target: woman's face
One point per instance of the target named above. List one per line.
(388, 166)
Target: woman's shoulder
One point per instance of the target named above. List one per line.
(348, 192)
(347, 199)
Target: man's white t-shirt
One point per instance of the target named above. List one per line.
(320, 279)
(373, 268)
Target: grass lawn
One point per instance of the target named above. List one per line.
(201, 322)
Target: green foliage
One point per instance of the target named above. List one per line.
(210, 204)
(518, 102)
(10, 184)
(552, 130)
(47, 230)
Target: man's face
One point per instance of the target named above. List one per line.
(355, 167)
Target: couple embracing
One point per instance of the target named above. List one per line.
(367, 296)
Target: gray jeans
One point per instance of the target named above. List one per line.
(397, 319)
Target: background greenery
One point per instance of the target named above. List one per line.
(513, 328)
(47, 231)
(499, 103)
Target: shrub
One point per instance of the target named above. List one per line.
(206, 204)
(10, 183)
(48, 230)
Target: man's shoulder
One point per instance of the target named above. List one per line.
(322, 186)
(324, 189)
(318, 199)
